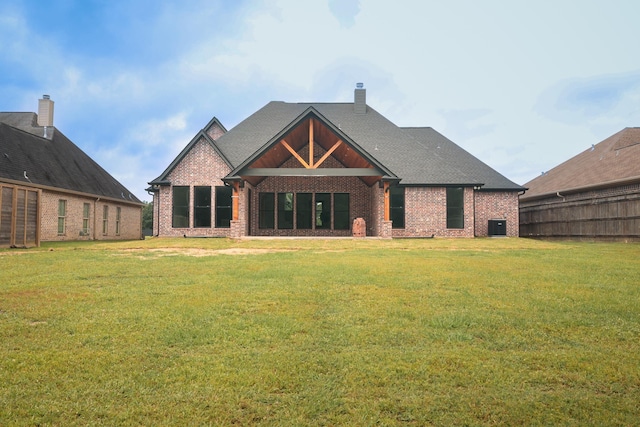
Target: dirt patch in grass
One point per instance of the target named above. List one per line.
(199, 252)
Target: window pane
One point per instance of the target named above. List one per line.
(455, 207)
(118, 213)
(266, 210)
(285, 210)
(62, 213)
(396, 206)
(341, 211)
(202, 209)
(105, 219)
(180, 207)
(323, 210)
(304, 203)
(223, 206)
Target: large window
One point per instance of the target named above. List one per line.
(62, 216)
(86, 212)
(180, 218)
(341, 211)
(266, 210)
(396, 206)
(304, 211)
(202, 207)
(455, 207)
(223, 206)
(323, 210)
(285, 210)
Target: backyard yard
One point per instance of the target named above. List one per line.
(293, 332)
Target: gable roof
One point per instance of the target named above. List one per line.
(211, 128)
(410, 154)
(310, 112)
(53, 162)
(614, 161)
(162, 178)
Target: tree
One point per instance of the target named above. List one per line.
(147, 216)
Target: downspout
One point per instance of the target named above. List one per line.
(474, 212)
(156, 198)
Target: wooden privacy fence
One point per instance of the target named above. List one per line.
(19, 218)
(611, 216)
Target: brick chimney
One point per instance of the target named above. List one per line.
(45, 111)
(360, 99)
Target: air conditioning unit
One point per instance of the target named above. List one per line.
(497, 227)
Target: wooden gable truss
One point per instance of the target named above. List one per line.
(311, 137)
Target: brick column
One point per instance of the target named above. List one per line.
(237, 229)
(386, 230)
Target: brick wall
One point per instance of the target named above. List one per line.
(201, 166)
(426, 213)
(425, 207)
(215, 131)
(130, 218)
(496, 205)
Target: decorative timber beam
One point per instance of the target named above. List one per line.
(311, 164)
(236, 201)
(311, 172)
(296, 155)
(311, 143)
(387, 205)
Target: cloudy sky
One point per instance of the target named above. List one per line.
(522, 85)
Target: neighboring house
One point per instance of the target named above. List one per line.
(313, 169)
(595, 194)
(51, 190)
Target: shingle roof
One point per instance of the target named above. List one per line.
(448, 163)
(418, 156)
(610, 162)
(52, 162)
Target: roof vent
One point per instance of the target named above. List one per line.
(360, 99)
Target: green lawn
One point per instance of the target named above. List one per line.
(320, 332)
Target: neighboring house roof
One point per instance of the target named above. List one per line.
(612, 162)
(415, 156)
(53, 162)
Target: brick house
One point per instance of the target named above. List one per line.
(312, 169)
(51, 190)
(593, 195)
